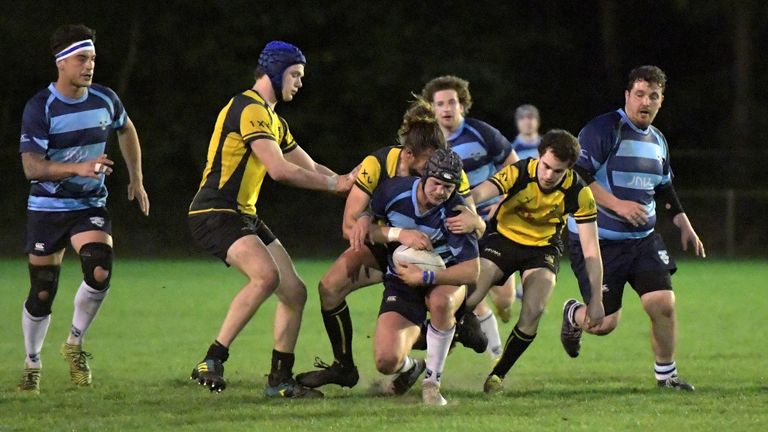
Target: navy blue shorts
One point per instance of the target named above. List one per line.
(644, 263)
(403, 299)
(49, 232)
(380, 253)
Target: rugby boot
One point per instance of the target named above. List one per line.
(493, 385)
(30, 381)
(404, 381)
(210, 373)
(430, 393)
(570, 335)
(290, 389)
(79, 371)
(470, 334)
(336, 373)
(674, 382)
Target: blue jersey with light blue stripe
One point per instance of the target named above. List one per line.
(482, 149)
(630, 163)
(526, 149)
(395, 201)
(69, 130)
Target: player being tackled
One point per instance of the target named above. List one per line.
(419, 207)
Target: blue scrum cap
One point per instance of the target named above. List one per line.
(275, 58)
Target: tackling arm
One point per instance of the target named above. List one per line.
(283, 171)
(301, 158)
(463, 273)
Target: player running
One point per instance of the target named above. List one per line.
(524, 236)
(64, 132)
(625, 161)
(249, 141)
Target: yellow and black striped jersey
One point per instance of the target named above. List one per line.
(383, 164)
(532, 217)
(233, 175)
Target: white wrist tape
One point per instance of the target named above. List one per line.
(331, 183)
(393, 234)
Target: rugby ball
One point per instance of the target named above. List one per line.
(424, 259)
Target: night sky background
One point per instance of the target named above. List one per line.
(175, 64)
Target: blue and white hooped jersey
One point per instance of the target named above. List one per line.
(525, 149)
(395, 202)
(70, 130)
(628, 162)
(483, 149)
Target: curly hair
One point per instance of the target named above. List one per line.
(449, 82)
(419, 131)
(648, 73)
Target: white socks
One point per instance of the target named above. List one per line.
(87, 304)
(490, 328)
(438, 344)
(664, 370)
(34, 329)
(407, 365)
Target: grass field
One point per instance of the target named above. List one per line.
(161, 316)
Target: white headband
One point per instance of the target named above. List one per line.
(75, 48)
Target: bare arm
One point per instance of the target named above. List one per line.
(37, 167)
(463, 273)
(590, 247)
(512, 158)
(484, 191)
(301, 158)
(688, 235)
(384, 234)
(357, 202)
(467, 220)
(130, 148)
(286, 172)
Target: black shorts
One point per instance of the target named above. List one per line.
(216, 231)
(404, 299)
(49, 232)
(512, 257)
(644, 263)
(380, 254)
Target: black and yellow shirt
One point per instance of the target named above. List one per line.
(532, 217)
(233, 175)
(383, 164)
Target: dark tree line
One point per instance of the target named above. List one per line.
(176, 63)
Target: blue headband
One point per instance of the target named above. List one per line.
(275, 58)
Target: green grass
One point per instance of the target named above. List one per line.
(161, 315)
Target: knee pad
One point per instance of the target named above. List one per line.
(94, 255)
(44, 284)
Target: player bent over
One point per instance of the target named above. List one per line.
(362, 264)
(422, 205)
(63, 137)
(524, 236)
(249, 141)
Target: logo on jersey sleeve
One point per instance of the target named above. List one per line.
(97, 221)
